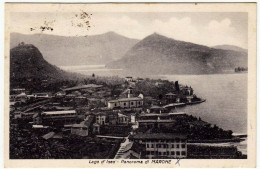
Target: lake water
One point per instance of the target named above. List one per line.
(98, 70)
(226, 99)
(225, 94)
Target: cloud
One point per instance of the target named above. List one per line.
(123, 25)
(222, 32)
(181, 29)
(210, 34)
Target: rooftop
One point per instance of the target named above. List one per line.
(156, 121)
(59, 112)
(163, 114)
(159, 136)
(83, 87)
(126, 99)
(85, 123)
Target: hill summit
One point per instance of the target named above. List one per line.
(157, 54)
(28, 64)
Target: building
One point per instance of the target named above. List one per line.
(188, 91)
(123, 119)
(102, 118)
(96, 128)
(162, 145)
(129, 79)
(84, 128)
(150, 120)
(172, 98)
(58, 117)
(129, 102)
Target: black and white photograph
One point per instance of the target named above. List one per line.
(124, 85)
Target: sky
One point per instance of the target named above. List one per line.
(203, 28)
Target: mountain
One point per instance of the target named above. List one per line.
(157, 54)
(230, 47)
(27, 64)
(82, 50)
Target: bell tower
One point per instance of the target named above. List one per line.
(130, 92)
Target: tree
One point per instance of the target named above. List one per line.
(177, 86)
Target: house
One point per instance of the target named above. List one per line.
(84, 128)
(170, 95)
(96, 128)
(102, 118)
(188, 91)
(129, 78)
(129, 102)
(112, 118)
(173, 98)
(162, 145)
(123, 119)
(60, 117)
(139, 79)
(151, 120)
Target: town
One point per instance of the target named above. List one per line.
(134, 119)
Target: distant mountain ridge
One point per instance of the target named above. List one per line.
(82, 50)
(157, 54)
(230, 47)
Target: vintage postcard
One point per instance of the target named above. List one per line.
(130, 85)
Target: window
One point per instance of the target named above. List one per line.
(177, 153)
(167, 153)
(164, 153)
(132, 103)
(148, 152)
(183, 153)
(183, 146)
(152, 146)
(158, 145)
(173, 153)
(177, 146)
(159, 153)
(152, 152)
(172, 145)
(147, 145)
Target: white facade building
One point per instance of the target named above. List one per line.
(162, 145)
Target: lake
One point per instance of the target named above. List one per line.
(226, 99)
